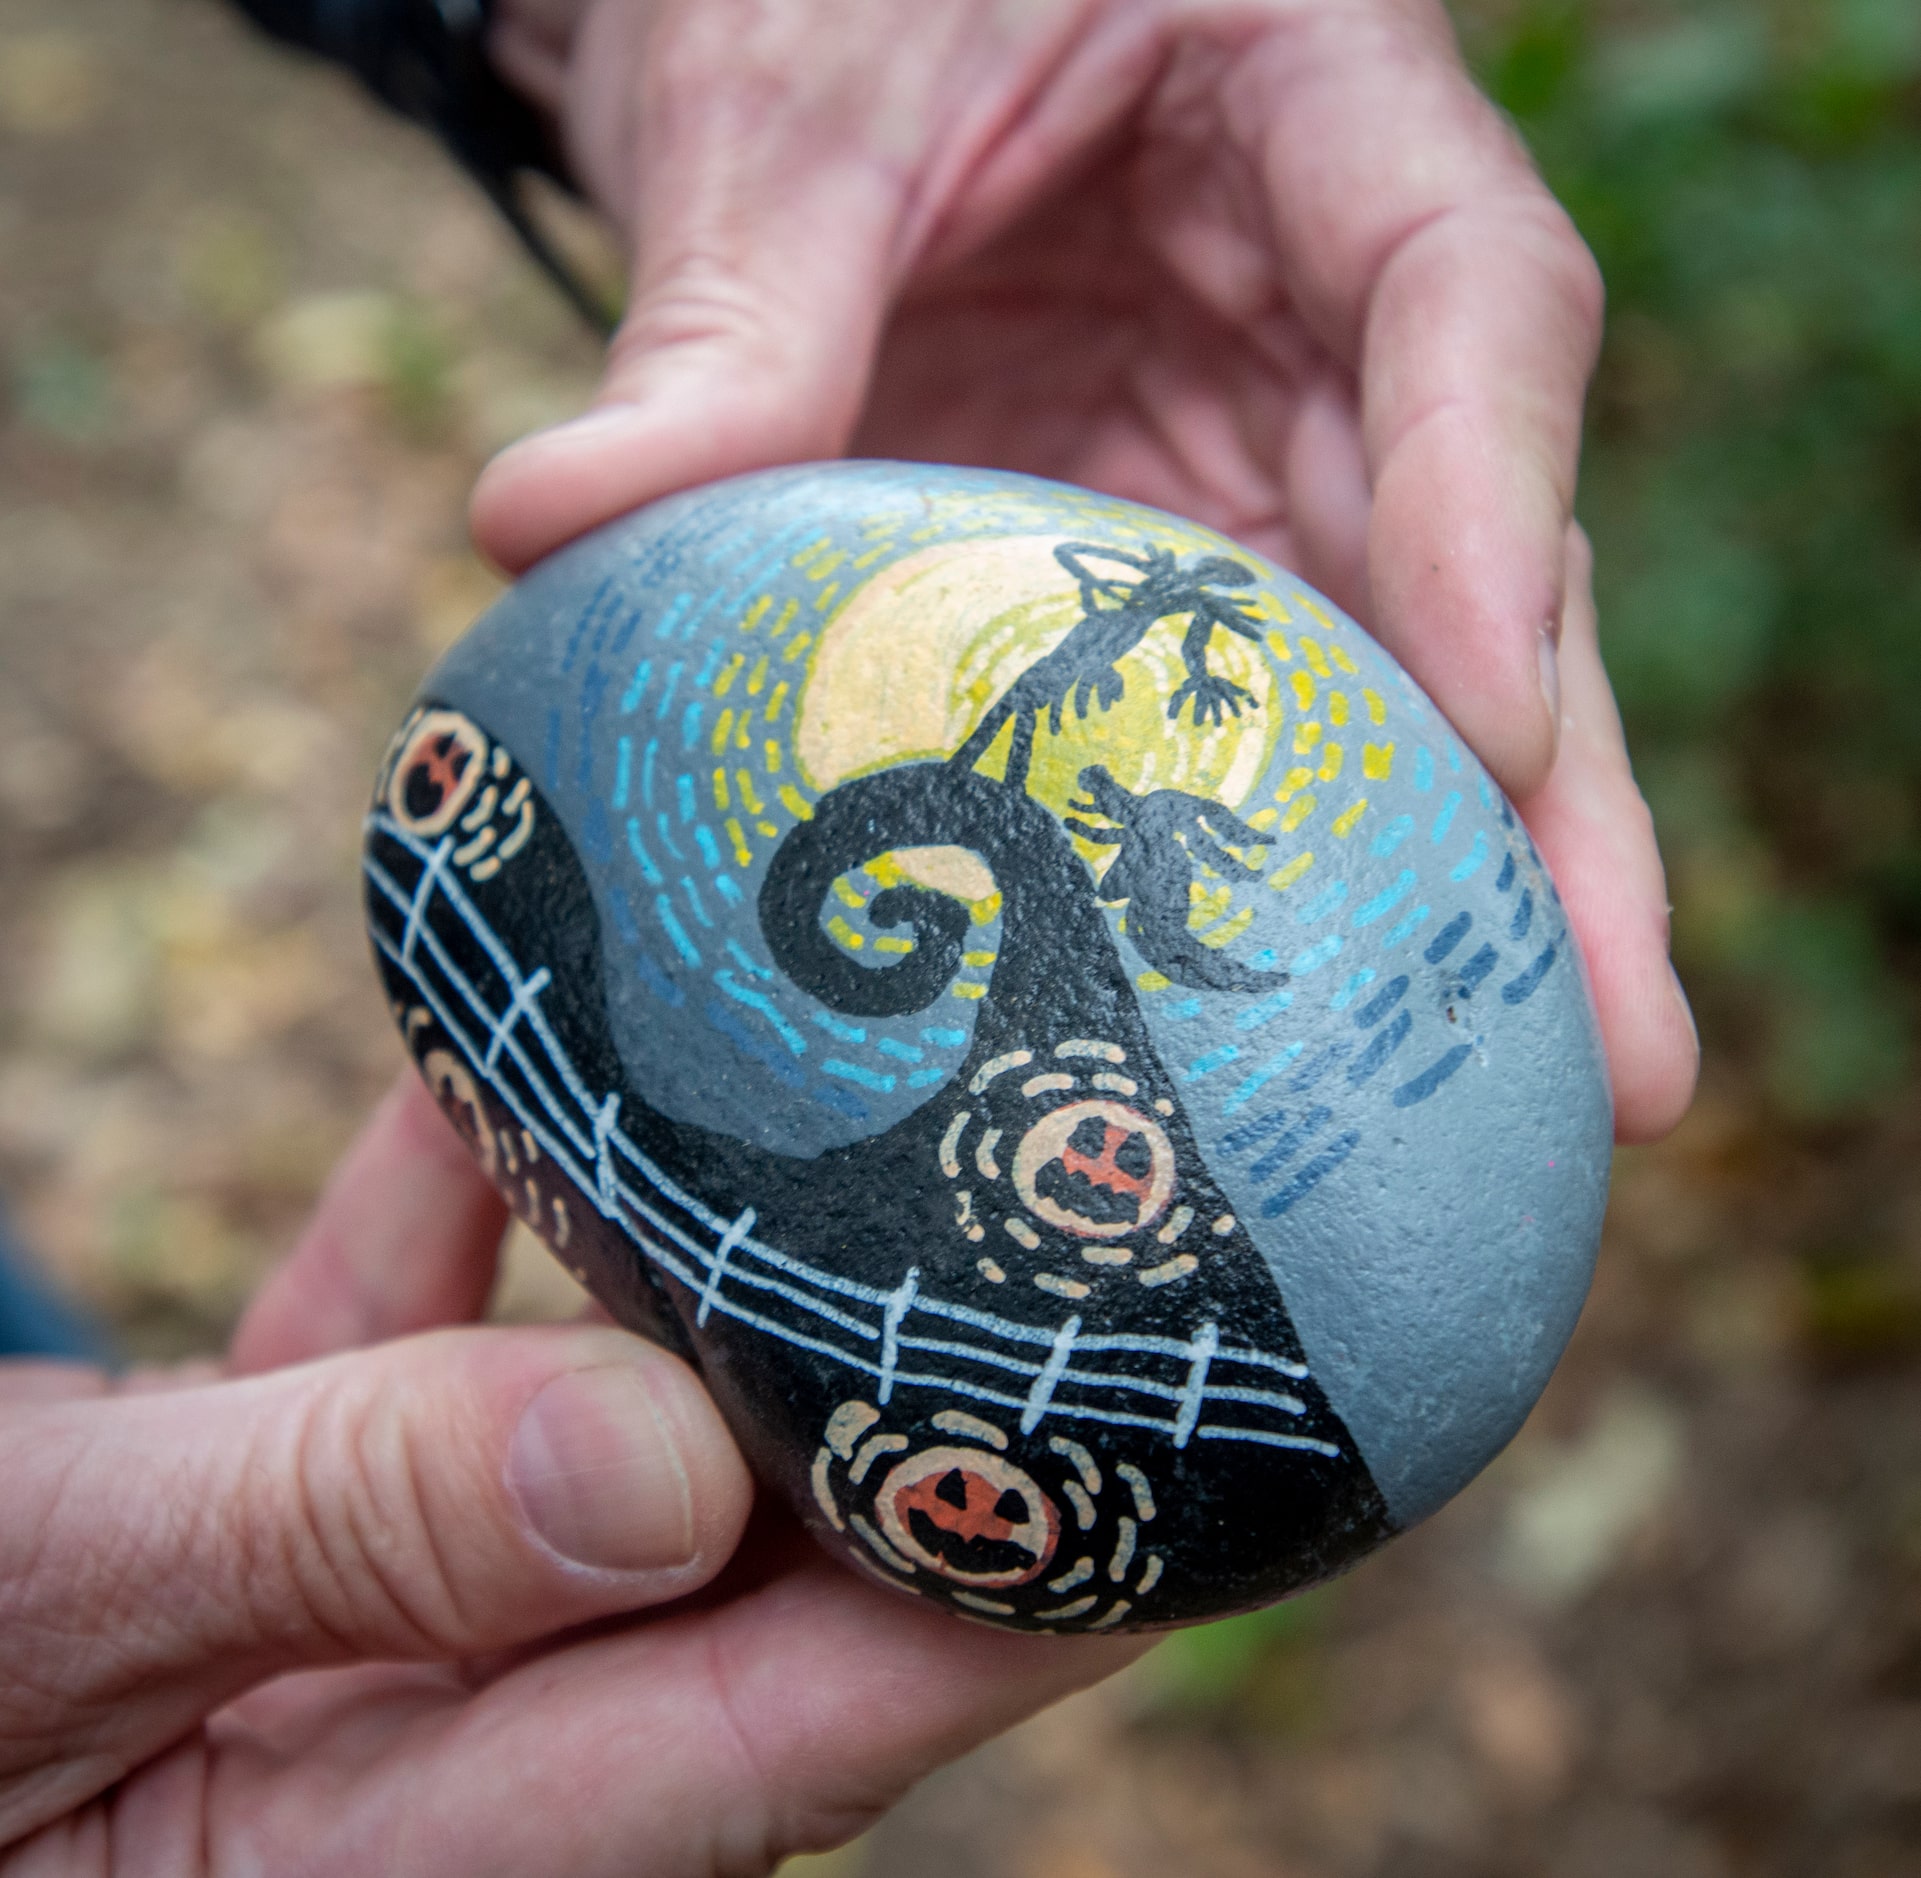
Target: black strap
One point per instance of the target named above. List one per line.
(427, 60)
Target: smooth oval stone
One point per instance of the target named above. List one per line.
(1027, 997)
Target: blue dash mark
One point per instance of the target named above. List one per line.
(842, 1101)
(623, 634)
(1383, 1001)
(1392, 836)
(925, 1078)
(748, 1044)
(624, 922)
(852, 1072)
(1266, 960)
(1259, 1080)
(1315, 956)
(761, 1002)
(1463, 869)
(950, 1039)
(1523, 915)
(1485, 790)
(1213, 1060)
(1265, 1012)
(850, 1033)
(1448, 938)
(1419, 1088)
(1407, 926)
(550, 756)
(904, 1052)
(1445, 819)
(1352, 989)
(705, 676)
(593, 688)
(1424, 769)
(667, 695)
(1291, 1143)
(1181, 1012)
(1322, 904)
(724, 886)
(1316, 1067)
(1382, 1046)
(647, 771)
(1453, 750)
(1250, 1134)
(664, 626)
(693, 900)
(709, 848)
(1476, 969)
(1310, 1177)
(1519, 990)
(690, 724)
(636, 688)
(1386, 900)
(684, 797)
(741, 957)
(675, 930)
(654, 978)
(666, 835)
(595, 834)
(1505, 878)
(623, 770)
(648, 871)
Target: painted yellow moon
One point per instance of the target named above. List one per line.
(915, 658)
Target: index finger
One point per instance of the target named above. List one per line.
(1418, 241)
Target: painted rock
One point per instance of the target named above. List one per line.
(1030, 1000)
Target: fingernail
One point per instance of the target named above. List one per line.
(598, 1476)
(1551, 678)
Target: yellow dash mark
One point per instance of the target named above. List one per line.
(796, 803)
(797, 647)
(743, 854)
(1343, 658)
(967, 989)
(891, 944)
(1293, 782)
(757, 678)
(768, 829)
(1376, 705)
(770, 752)
(1263, 820)
(1330, 762)
(984, 912)
(1061, 1287)
(812, 548)
(845, 894)
(1280, 648)
(825, 566)
(1269, 607)
(1377, 761)
(740, 730)
(721, 800)
(1311, 651)
(1297, 812)
(826, 600)
(1229, 930)
(1344, 822)
(1337, 708)
(1292, 872)
(1204, 906)
(925, 534)
(776, 699)
(728, 673)
(869, 558)
(979, 958)
(1153, 981)
(1315, 610)
(786, 619)
(756, 613)
(1306, 736)
(749, 800)
(723, 726)
(845, 933)
(1303, 689)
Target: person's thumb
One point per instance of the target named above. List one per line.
(764, 258)
(435, 1499)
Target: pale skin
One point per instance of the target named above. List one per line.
(1276, 266)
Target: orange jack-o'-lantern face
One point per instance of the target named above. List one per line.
(972, 1517)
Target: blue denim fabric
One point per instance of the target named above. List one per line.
(34, 1320)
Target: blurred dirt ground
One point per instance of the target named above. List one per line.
(256, 341)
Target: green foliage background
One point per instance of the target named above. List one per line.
(1749, 176)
